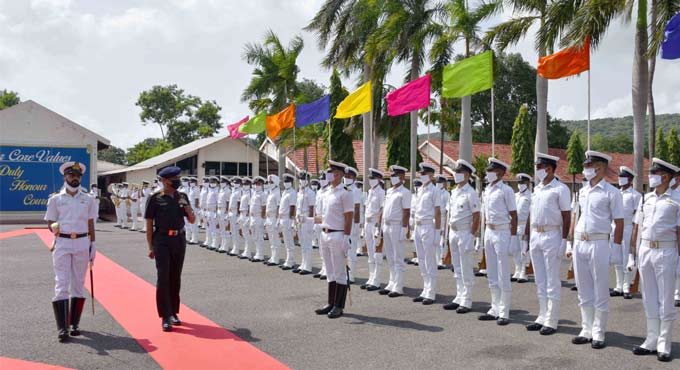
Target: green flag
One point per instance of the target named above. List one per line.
(468, 76)
(255, 125)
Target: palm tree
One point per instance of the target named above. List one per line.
(274, 80)
(463, 24)
(528, 13)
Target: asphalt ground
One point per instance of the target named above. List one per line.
(273, 310)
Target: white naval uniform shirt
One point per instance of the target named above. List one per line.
(337, 202)
(71, 212)
(444, 201)
(599, 206)
(134, 195)
(462, 204)
(194, 194)
(631, 201)
(305, 198)
(548, 202)
(245, 200)
(122, 194)
(427, 199)
(211, 199)
(523, 202)
(257, 201)
(318, 206)
(223, 197)
(659, 217)
(288, 199)
(234, 200)
(499, 201)
(357, 194)
(203, 196)
(397, 199)
(374, 202)
(273, 199)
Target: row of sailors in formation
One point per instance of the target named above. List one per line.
(521, 227)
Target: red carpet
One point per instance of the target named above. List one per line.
(14, 364)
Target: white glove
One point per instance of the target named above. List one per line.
(525, 247)
(478, 244)
(514, 245)
(402, 235)
(615, 258)
(93, 252)
(346, 244)
(361, 233)
(631, 262)
(566, 246)
(376, 234)
(470, 247)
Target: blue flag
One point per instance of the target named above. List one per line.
(670, 48)
(314, 112)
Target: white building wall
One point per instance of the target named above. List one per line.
(228, 151)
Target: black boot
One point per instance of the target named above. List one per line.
(61, 316)
(77, 305)
(340, 297)
(331, 299)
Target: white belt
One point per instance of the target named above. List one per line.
(545, 228)
(591, 237)
(498, 227)
(371, 219)
(424, 222)
(459, 227)
(658, 244)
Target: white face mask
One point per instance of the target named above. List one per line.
(491, 177)
(458, 177)
(623, 181)
(258, 187)
(522, 187)
(347, 181)
(71, 188)
(184, 184)
(323, 183)
(303, 182)
(287, 185)
(654, 181)
(372, 182)
(439, 185)
(541, 174)
(425, 179)
(213, 185)
(589, 173)
(394, 180)
(236, 186)
(315, 187)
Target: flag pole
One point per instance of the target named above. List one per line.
(588, 108)
(330, 153)
(493, 126)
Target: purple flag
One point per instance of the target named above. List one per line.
(670, 48)
(314, 112)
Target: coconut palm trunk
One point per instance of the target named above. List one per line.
(541, 143)
(367, 128)
(640, 91)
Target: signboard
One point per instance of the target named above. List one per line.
(29, 174)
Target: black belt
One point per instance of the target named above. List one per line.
(327, 231)
(73, 235)
(170, 232)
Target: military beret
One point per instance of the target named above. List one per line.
(170, 171)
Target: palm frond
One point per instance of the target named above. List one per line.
(510, 32)
(592, 19)
(665, 10)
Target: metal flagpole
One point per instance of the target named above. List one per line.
(588, 108)
(493, 126)
(329, 140)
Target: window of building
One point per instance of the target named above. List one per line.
(245, 169)
(188, 165)
(229, 169)
(212, 168)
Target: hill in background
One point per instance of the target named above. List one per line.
(609, 127)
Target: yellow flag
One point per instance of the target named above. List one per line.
(355, 103)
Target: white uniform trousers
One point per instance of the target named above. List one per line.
(288, 241)
(426, 247)
(496, 247)
(461, 245)
(236, 237)
(355, 247)
(274, 238)
(249, 241)
(211, 220)
(591, 271)
(334, 253)
(546, 258)
(624, 278)
(375, 260)
(305, 235)
(142, 211)
(70, 260)
(193, 230)
(394, 250)
(520, 261)
(123, 214)
(441, 243)
(257, 236)
(677, 282)
(134, 213)
(222, 232)
(317, 235)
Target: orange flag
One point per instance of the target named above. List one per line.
(279, 121)
(565, 62)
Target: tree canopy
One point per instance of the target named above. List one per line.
(8, 99)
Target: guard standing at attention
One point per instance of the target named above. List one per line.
(74, 212)
(372, 222)
(631, 200)
(395, 218)
(165, 212)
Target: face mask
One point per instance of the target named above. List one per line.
(236, 186)
(175, 184)
(223, 185)
(522, 187)
(458, 177)
(71, 188)
(373, 182)
(184, 184)
(323, 183)
(672, 183)
(315, 188)
(425, 179)
(287, 185)
(541, 174)
(347, 181)
(258, 187)
(589, 173)
(394, 180)
(246, 187)
(303, 182)
(330, 177)
(654, 181)
(623, 181)
(491, 177)
(213, 185)
(439, 185)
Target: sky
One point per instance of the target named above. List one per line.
(89, 60)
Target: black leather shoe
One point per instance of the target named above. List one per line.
(502, 321)
(76, 311)
(487, 317)
(372, 288)
(522, 281)
(663, 357)
(534, 326)
(394, 295)
(463, 310)
(363, 286)
(427, 301)
(581, 340)
(627, 296)
(286, 268)
(305, 272)
(335, 312)
(296, 270)
(61, 317)
(174, 320)
(677, 303)
(640, 351)
(513, 279)
(384, 292)
(316, 276)
(324, 310)
(441, 267)
(451, 306)
(323, 277)
(598, 344)
(418, 299)
(272, 264)
(256, 260)
(615, 293)
(167, 326)
(546, 330)
(243, 257)
(574, 288)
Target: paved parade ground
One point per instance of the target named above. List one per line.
(270, 323)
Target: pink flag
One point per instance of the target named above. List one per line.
(412, 96)
(233, 129)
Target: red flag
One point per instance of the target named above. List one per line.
(564, 63)
(233, 129)
(412, 96)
